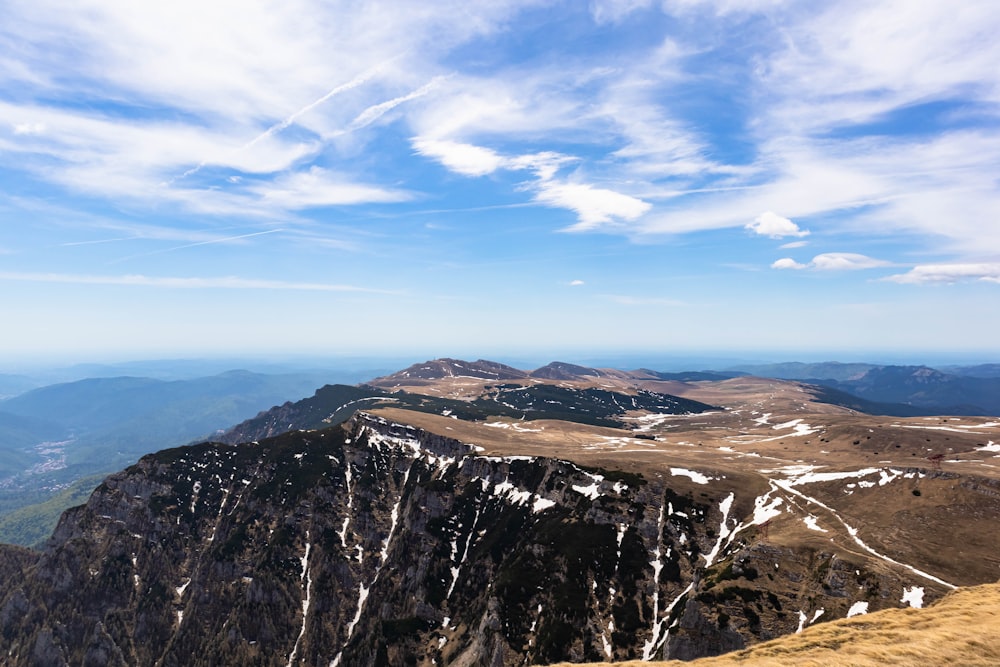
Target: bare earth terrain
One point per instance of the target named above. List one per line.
(908, 494)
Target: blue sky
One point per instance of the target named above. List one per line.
(499, 176)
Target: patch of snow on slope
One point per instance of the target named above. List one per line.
(811, 524)
(799, 428)
(696, 477)
(857, 609)
(802, 621)
(914, 596)
(989, 447)
(541, 504)
(588, 491)
(813, 477)
(888, 476)
(762, 512)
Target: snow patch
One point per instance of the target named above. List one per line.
(696, 477)
(857, 609)
(541, 504)
(811, 524)
(588, 491)
(914, 597)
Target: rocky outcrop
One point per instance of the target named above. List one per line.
(375, 543)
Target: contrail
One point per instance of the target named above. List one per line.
(200, 243)
(115, 240)
(373, 113)
(359, 80)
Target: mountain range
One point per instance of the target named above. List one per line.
(458, 513)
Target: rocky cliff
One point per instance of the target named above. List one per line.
(377, 543)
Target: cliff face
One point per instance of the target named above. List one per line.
(375, 543)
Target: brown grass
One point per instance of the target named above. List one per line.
(960, 630)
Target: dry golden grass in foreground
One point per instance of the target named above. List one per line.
(960, 630)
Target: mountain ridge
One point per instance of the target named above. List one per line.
(475, 558)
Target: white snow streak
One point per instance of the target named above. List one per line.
(787, 486)
(465, 554)
(350, 503)
(657, 563)
(724, 530)
(305, 576)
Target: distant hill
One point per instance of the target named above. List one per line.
(926, 388)
(979, 371)
(12, 385)
(973, 390)
(559, 370)
(437, 369)
(54, 435)
(795, 370)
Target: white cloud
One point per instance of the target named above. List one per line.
(575, 283)
(832, 261)
(794, 244)
(788, 263)
(594, 206)
(773, 225)
(948, 273)
(464, 159)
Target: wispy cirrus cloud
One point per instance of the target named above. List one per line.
(320, 187)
